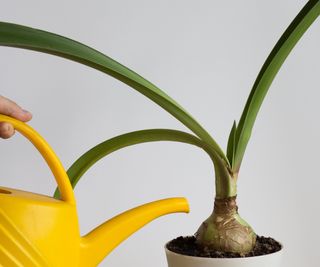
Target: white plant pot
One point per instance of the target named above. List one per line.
(179, 260)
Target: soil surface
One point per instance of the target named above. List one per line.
(187, 246)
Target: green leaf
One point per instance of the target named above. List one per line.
(81, 165)
(286, 43)
(225, 186)
(33, 39)
(231, 143)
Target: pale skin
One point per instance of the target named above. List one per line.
(10, 108)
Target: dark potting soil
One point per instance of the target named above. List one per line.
(188, 246)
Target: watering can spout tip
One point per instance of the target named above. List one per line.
(181, 204)
(101, 241)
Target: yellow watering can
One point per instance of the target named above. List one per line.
(38, 230)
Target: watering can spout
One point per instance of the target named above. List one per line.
(101, 241)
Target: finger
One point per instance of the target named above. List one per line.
(6, 130)
(10, 108)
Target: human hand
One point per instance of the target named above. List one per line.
(10, 108)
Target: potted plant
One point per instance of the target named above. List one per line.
(224, 233)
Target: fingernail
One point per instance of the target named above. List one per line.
(26, 111)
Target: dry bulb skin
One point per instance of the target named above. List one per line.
(225, 230)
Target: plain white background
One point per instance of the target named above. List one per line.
(206, 55)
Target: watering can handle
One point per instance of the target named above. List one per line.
(48, 154)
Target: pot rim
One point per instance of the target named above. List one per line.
(217, 259)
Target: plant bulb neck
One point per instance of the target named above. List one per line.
(225, 206)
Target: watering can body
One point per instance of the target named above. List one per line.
(37, 230)
(40, 231)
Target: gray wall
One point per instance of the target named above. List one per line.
(206, 55)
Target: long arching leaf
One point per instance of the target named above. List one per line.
(19, 36)
(89, 158)
(288, 40)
